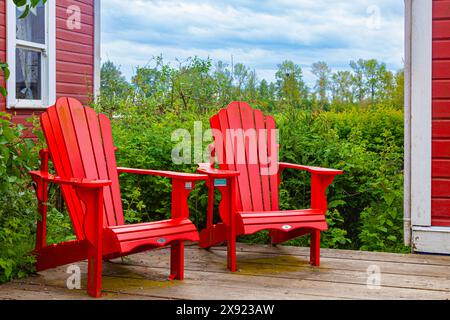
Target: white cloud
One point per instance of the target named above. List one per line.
(259, 34)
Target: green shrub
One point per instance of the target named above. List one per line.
(365, 203)
(368, 146)
(18, 209)
(17, 212)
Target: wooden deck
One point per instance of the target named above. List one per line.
(265, 272)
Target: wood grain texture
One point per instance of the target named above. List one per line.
(75, 51)
(265, 273)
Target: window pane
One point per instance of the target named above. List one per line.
(32, 28)
(28, 74)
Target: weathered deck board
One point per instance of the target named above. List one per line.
(265, 272)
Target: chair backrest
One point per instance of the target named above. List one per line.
(246, 141)
(81, 146)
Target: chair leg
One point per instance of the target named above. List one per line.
(177, 261)
(231, 253)
(95, 264)
(315, 248)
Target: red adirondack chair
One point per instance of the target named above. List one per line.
(248, 177)
(80, 146)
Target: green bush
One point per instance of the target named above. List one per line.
(368, 198)
(18, 209)
(17, 212)
(365, 203)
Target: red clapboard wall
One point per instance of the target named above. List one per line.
(441, 114)
(74, 54)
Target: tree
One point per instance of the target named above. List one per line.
(341, 87)
(290, 85)
(240, 79)
(224, 83)
(251, 88)
(113, 83)
(154, 82)
(398, 94)
(322, 72)
(358, 79)
(372, 80)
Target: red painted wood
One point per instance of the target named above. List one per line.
(75, 47)
(440, 188)
(55, 141)
(250, 202)
(228, 153)
(441, 69)
(177, 261)
(101, 166)
(441, 207)
(111, 166)
(441, 168)
(441, 29)
(272, 158)
(441, 49)
(81, 148)
(441, 113)
(441, 9)
(2, 48)
(252, 155)
(441, 109)
(441, 89)
(237, 141)
(315, 248)
(263, 159)
(441, 148)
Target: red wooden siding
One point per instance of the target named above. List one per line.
(75, 51)
(2, 46)
(441, 114)
(74, 54)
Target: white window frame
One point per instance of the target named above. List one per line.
(48, 59)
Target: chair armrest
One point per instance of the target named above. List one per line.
(182, 186)
(165, 174)
(76, 182)
(205, 168)
(321, 178)
(315, 170)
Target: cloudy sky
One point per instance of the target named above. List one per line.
(258, 33)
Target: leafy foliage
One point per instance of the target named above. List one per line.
(17, 216)
(363, 138)
(352, 120)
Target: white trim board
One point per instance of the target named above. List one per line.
(407, 146)
(421, 112)
(431, 240)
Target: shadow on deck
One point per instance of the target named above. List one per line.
(265, 272)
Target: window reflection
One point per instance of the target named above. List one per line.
(28, 74)
(31, 28)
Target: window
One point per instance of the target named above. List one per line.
(31, 56)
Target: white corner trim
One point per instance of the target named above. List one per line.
(11, 52)
(407, 146)
(97, 47)
(51, 38)
(431, 240)
(421, 111)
